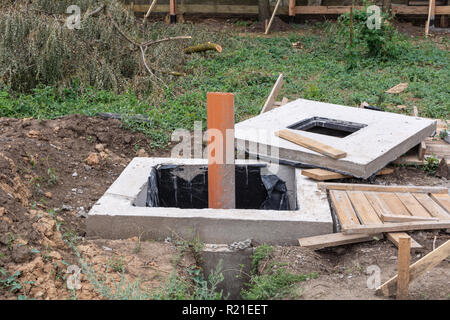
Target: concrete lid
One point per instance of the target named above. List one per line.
(385, 137)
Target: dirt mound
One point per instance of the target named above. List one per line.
(48, 183)
(278, 25)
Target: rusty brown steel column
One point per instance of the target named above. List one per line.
(221, 174)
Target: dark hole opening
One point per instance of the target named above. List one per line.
(186, 187)
(329, 127)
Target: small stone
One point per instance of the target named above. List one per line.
(81, 213)
(74, 190)
(142, 153)
(100, 147)
(33, 134)
(106, 248)
(93, 159)
(74, 174)
(48, 195)
(2, 211)
(103, 155)
(66, 207)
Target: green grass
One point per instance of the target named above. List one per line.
(275, 285)
(248, 67)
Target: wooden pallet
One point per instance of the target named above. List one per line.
(359, 208)
(374, 208)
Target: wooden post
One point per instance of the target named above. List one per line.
(404, 258)
(387, 6)
(291, 11)
(417, 268)
(263, 10)
(173, 11)
(221, 174)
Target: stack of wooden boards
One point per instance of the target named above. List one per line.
(364, 212)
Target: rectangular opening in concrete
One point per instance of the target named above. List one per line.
(329, 127)
(186, 187)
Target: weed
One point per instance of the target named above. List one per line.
(262, 252)
(431, 165)
(10, 282)
(52, 178)
(276, 285)
(117, 264)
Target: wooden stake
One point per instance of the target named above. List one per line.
(404, 257)
(273, 16)
(430, 19)
(417, 268)
(150, 10)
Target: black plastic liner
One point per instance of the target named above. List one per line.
(167, 188)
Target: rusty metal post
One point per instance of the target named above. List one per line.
(221, 174)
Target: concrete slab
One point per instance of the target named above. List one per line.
(121, 212)
(380, 137)
(236, 267)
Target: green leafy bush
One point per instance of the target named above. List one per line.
(383, 42)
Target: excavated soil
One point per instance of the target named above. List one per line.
(53, 171)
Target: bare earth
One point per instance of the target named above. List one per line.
(45, 179)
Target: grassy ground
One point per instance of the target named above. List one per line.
(248, 67)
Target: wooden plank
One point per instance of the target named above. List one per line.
(311, 144)
(323, 175)
(202, 8)
(253, 10)
(395, 236)
(402, 218)
(421, 266)
(432, 207)
(443, 200)
(268, 105)
(397, 9)
(401, 226)
(335, 239)
(422, 150)
(380, 207)
(414, 207)
(404, 258)
(343, 207)
(364, 210)
(273, 16)
(380, 188)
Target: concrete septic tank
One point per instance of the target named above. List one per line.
(370, 138)
(128, 209)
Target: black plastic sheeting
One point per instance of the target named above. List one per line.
(253, 191)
